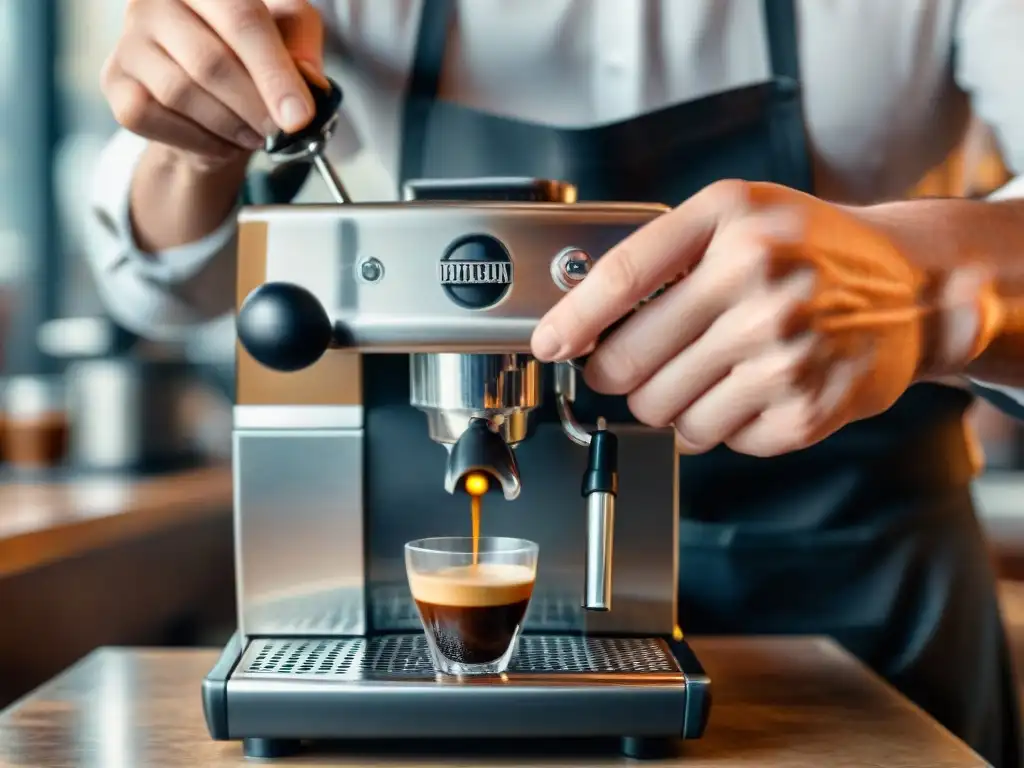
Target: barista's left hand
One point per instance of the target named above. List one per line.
(794, 318)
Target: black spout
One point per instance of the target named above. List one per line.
(481, 449)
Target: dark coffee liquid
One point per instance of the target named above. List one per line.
(472, 634)
(471, 611)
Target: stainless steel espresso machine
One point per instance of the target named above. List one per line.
(383, 355)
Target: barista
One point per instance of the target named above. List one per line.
(821, 491)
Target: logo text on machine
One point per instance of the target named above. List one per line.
(474, 272)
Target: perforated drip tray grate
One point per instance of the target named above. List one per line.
(405, 656)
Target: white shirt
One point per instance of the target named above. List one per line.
(885, 100)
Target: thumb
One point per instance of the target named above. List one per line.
(302, 31)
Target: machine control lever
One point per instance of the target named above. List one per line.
(309, 143)
(600, 488)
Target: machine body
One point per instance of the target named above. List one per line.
(384, 353)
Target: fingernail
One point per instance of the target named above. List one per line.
(294, 113)
(546, 344)
(249, 139)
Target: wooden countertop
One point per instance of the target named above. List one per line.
(42, 522)
(803, 703)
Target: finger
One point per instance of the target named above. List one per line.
(251, 32)
(173, 89)
(805, 419)
(631, 271)
(301, 29)
(136, 109)
(739, 334)
(750, 388)
(209, 62)
(668, 324)
(654, 334)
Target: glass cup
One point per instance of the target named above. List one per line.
(472, 607)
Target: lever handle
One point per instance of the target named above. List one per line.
(600, 489)
(309, 143)
(299, 144)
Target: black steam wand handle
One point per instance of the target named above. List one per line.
(600, 489)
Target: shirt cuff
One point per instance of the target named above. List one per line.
(112, 201)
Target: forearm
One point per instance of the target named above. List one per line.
(174, 201)
(942, 237)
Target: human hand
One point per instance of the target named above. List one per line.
(793, 318)
(213, 78)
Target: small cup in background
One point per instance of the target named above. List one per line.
(36, 425)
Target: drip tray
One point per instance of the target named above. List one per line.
(385, 687)
(405, 657)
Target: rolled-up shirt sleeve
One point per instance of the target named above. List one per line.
(989, 61)
(161, 295)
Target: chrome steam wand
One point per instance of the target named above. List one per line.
(600, 489)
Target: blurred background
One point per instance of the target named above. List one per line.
(115, 523)
(115, 502)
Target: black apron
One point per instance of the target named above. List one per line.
(870, 536)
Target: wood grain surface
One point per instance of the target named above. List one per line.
(803, 703)
(43, 522)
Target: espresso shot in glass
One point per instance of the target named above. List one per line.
(471, 601)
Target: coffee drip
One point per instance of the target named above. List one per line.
(476, 486)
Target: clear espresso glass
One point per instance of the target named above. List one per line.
(471, 607)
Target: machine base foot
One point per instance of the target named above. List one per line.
(270, 748)
(647, 748)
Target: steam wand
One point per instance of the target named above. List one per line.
(600, 488)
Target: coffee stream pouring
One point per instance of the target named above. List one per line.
(478, 406)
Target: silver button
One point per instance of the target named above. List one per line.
(371, 270)
(570, 267)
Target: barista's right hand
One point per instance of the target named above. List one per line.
(213, 78)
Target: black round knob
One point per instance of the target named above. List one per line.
(284, 327)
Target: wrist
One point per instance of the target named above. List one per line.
(177, 197)
(181, 166)
(960, 309)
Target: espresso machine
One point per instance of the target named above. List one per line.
(383, 356)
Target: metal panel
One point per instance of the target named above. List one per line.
(407, 310)
(299, 532)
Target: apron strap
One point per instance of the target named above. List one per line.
(791, 155)
(783, 47)
(424, 82)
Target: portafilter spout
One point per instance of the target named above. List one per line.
(478, 407)
(481, 449)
